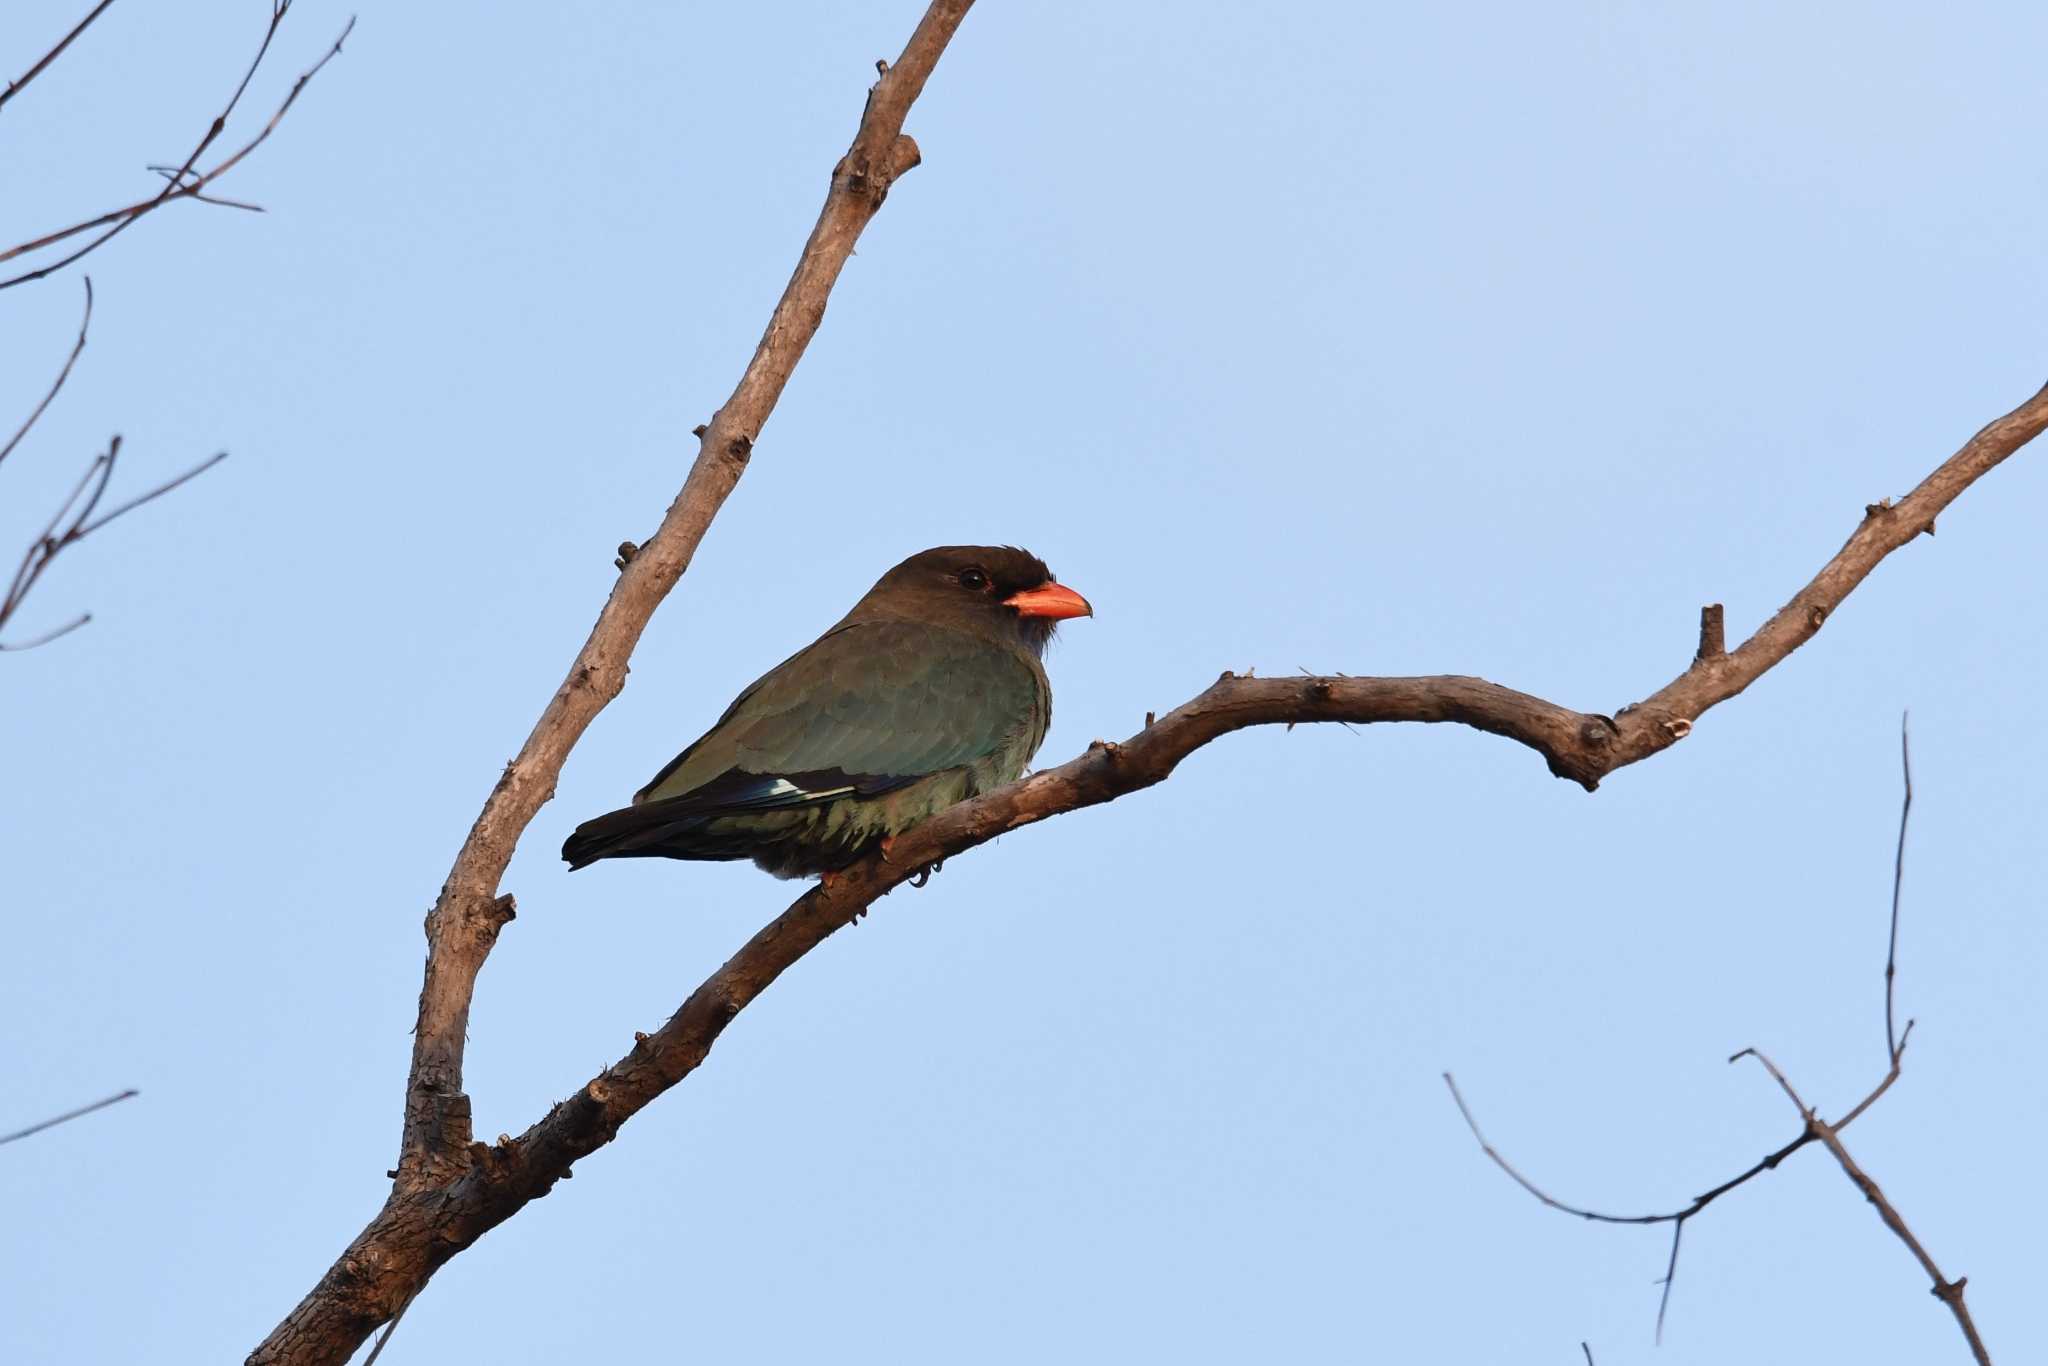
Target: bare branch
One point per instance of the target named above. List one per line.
(1814, 1128)
(14, 87)
(1949, 1292)
(487, 1183)
(357, 1294)
(70, 1115)
(54, 633)
(84, 324)
(73, 522)
(448, 1190)
(184, 182)
(1892, 1042)
(151, 495)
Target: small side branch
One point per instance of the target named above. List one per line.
(1813, 1129)
(1892, 1042)
(14, 87)
(1949, 1292)
(84, 326)
(1713, 635)
(76, 518)
(185, 181)
(70, 1115)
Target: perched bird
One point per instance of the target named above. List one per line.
(929, 691)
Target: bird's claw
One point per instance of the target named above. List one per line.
(924, 874)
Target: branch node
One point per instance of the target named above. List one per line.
(904, 156)
(739, 450)
(627, 550)
(1678, 728)
(1816, 616)
(1713, 635)
(698, 431)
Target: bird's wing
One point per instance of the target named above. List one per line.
(865, 709)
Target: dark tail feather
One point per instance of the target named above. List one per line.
(623, 834)
(674, 827)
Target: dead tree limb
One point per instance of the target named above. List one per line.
(388, 1262)
(448, 1190)
(42, 63)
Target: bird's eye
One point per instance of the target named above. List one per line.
(973, 580)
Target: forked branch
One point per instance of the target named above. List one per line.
(185, 181)
(1813, 1127)
(392, 1258)
(448, 1190)
(79, 515)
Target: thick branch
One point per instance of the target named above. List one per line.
(427, 1221)
(403, 1246)
(448, 1191)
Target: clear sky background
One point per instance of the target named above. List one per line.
(1381, 339)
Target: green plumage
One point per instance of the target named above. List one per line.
(926, 694)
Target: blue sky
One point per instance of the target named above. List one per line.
(1344, 338)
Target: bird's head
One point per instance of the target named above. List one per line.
(997, 591)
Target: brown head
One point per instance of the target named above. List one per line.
(999, 592)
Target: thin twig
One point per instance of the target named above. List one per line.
(54, 633)
(1814, 1126)
(59, 534)
(184, 182)
(170, 173)
(377, 1349)
(70, 1115)
(1675, 1218)
(1949, 1292)
(1892, 1043)
(84, 324)
(14, 87)
(152, 495)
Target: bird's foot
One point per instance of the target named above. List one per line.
(924, 874)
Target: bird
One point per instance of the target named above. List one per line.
(931, 690)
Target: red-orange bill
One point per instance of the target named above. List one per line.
(1054, 601)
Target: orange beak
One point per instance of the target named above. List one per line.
(1053, 601)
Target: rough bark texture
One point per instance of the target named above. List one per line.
(392, 1258)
